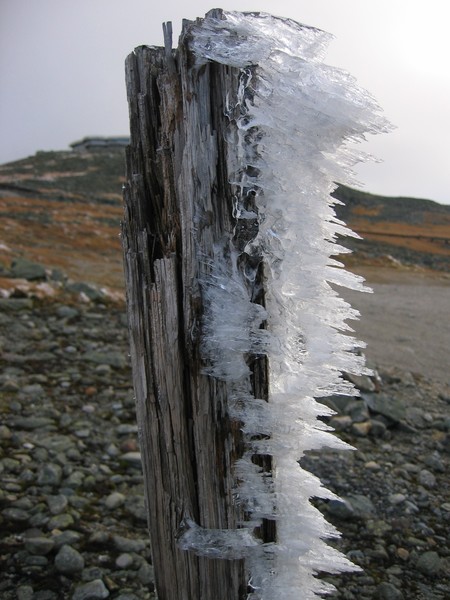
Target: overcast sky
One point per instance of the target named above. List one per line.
(62, 74)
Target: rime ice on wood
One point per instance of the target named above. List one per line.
(290, 138)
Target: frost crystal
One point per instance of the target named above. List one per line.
(294, 121)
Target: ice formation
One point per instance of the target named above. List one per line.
(294, 122)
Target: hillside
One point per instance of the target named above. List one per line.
(410, 230)
(63, 210)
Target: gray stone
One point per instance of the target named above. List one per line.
(68, 561)
(24, 592)
(21, 268)
(67, 312)
(87, 289)
(57, 504)
(146, 573)
(114, 500)
(63, 521)
(93, 590)
(126, 429)
(378, 429)
(39, 545)
(124, 544)
(427, 479)
(362, 505)
(15, 304)
(429, 563)
(135, 506)
(68, 537)
(49, 474)
(132, 458)
(362, 382)
(361, 429)
(341, 422)
(357, 410)
(124, 561)
(341, 509)
(388, 406)
(16, 515)
(112, 358)
(34, 389)
(388, 591)
(31, 423)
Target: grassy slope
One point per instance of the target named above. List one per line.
(63, 209)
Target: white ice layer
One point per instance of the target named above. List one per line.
(296, 121)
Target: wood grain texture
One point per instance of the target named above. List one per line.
(178, 207)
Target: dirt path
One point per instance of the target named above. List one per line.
(406, 321)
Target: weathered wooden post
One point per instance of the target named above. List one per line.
(178, 207)
(227, 238)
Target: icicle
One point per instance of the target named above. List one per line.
(289, 142)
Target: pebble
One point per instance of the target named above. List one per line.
(387, 591)
(115, 500)
(93, 590)
(49, 474)
(427, 479)
(429, 563)
(124, 561)
(69, 561)
(70, 471)
(39, 545)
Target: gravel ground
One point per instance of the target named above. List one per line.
(72, 517)
(405, 322)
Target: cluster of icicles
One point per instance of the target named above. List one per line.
(296, 117)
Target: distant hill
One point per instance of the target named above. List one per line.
(410, 230)
(63, 210)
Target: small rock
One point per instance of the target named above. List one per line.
(126, 429)
(24, 592)
(49, 474)
(68, 537)
(129, 545)
(378, 428)
(113, 358)
(387, 406)
(39, 545)
(341, 422)
(22, 268)
(132, 458)
(16, 515)
(5, 433)
(124, 561)
(402, 553)
(341, 509)
(396, 498)
(114, 500)
(362, 505)
(67, 312)
(372, 465)
(427, 479)
(146, 574)
(388, 591)
(57, 504)
(361, 429)
(93, 590)
(429, 563)
(362, 382)
(63, 521)
(69, 561)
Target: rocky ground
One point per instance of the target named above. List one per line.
(72, 518)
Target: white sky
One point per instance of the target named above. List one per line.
(62, 74)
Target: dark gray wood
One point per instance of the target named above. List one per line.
(178, 204)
